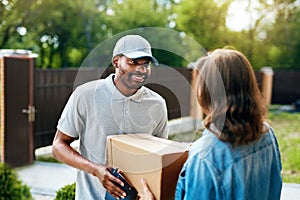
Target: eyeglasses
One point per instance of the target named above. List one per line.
(139, 62)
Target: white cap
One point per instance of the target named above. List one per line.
(134, 46)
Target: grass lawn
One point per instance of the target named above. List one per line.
(287, 130)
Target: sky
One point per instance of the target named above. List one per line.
(238, 18)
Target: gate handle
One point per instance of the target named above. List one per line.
(31, 113)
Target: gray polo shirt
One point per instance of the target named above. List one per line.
(97, 109)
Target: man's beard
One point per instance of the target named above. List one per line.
(134, 80)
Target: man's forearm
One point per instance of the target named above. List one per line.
(63, 152)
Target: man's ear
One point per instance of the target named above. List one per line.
(115, 61)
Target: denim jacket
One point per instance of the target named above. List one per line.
(216, 170)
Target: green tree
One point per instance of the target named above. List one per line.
(204, 20)
(252, 40)
(284, 38)
(64, 32)
(130, 14)
(13, 14)
(266, 43)
(63, 28)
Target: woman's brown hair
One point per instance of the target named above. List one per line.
(229, 96)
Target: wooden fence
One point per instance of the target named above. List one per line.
(286, 87)
(53, 88)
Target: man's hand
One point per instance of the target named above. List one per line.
(109, 182)
(147, 194)
(63, 152)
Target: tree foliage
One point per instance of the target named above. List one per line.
(204, 20)
(284, 37)
(130, 14)
(65, 28)
(62, 33)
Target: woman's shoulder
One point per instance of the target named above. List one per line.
(203, 146)
(209, 149)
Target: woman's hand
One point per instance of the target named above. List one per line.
(147, 194)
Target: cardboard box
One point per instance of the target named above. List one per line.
(157, 160)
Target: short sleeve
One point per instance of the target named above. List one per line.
(72, 119)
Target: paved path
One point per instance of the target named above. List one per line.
(45, 178)
(290, 191)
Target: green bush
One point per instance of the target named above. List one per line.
(66, 193)
(11, 187)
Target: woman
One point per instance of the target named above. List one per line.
(238, 156)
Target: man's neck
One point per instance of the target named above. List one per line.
(126, 91)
